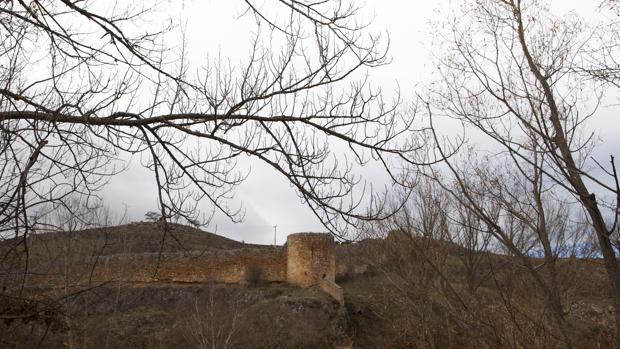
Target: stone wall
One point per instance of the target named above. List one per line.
(307, 259)
(332, 289)
(224, 266)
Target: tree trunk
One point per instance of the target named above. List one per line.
(573, 175)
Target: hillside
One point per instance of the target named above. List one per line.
(421, 293)
(141, 237)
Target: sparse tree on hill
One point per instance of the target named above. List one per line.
(152, 216)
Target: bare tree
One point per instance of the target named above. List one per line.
(509, 72)
(470, 232)
(213, 320)
(456, 262)
(95, 88)
(84, 86)
(600, 58)
(524, 222)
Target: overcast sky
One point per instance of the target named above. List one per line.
(213, 27)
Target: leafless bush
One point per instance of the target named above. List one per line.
(456, 276)
(211, 318)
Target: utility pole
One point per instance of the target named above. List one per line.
(275, 230)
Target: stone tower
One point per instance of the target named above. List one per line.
(310, 259)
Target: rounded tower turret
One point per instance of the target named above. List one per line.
(310, 257)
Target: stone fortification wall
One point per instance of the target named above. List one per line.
(310, 258)
(307, 259)
(224, 266)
